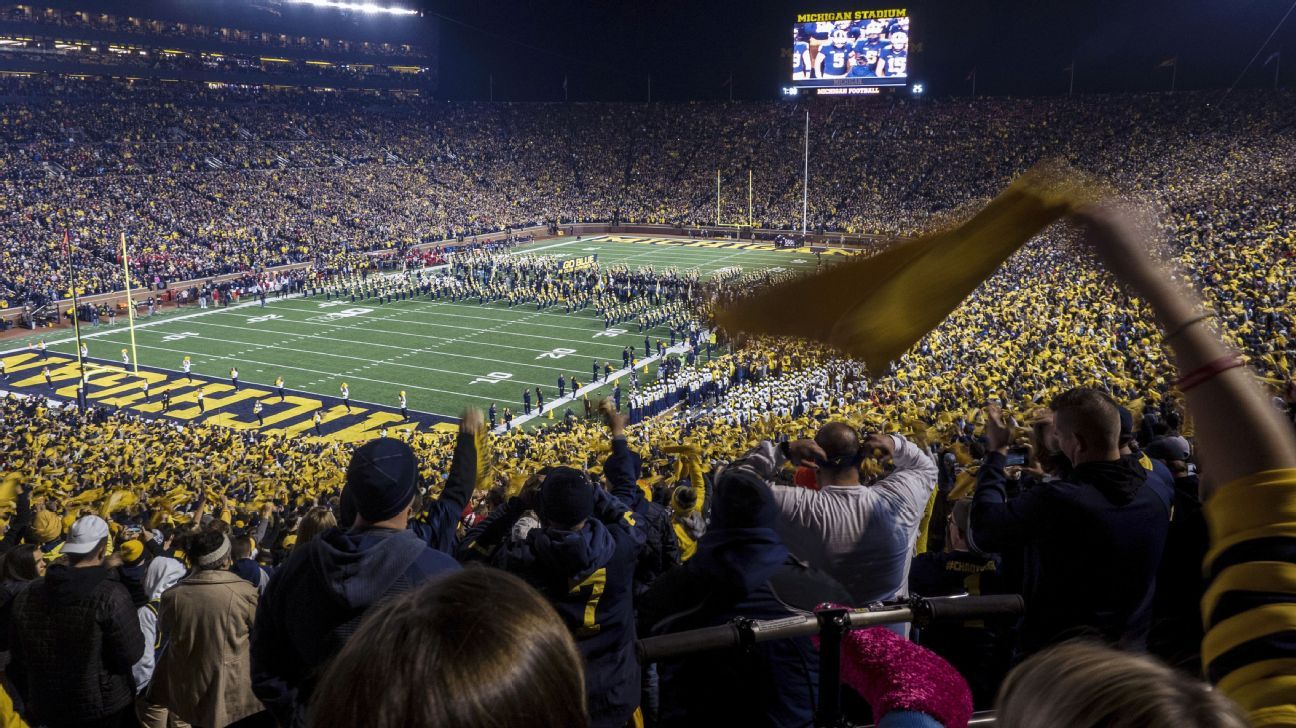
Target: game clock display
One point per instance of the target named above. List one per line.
(856, 49)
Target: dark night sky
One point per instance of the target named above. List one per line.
(608, 47)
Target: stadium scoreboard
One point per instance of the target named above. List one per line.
(850, 52)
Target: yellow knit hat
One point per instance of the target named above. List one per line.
(46, 527)
(131, 552)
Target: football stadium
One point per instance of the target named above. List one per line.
(443, 354)
(412, 363)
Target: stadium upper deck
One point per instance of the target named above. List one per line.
(166, 41)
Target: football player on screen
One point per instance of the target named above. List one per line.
(895, 59)
(868, 52)
(800, 55)
(872, 40)
(833, 60)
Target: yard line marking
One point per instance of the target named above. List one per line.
(327, 376)
(547, 247)
(434, 304)
(169, 319)
(369, 361)
(478, 330)
(398, 319)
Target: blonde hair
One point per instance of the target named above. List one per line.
(1085, 685)
(316, 521)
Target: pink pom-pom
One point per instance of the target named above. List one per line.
(892, 673)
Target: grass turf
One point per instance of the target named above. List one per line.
(444, 355)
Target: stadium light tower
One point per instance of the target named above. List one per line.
(918, 89)
(359, 7)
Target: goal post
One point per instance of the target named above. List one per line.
(736, 230)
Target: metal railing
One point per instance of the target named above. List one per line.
(831, 625)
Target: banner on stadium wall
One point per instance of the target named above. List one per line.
(581, 263)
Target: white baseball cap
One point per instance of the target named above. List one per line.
(85, 535)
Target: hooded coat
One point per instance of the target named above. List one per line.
(741, 569)
(588, 577)
(315, 602)
(1092, 546)
(204, 673)
(163, 573)
(73, 638)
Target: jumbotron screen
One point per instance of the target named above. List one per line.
(838, 51)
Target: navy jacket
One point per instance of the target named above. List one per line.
(438, 524)
(661, 551)
(316, 599)
(588, 577)
(1092, 547)
(738, 572)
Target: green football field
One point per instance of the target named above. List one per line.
(444, 355)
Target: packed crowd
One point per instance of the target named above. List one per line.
(249, 502)
(230, 178)
(39, 51)
(1056, 436)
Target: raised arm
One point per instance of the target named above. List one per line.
(619, 466)
(997, 522)
(263, 525)
(915, 474)
(1239, 433)
(696, 477)
(22, 517)
(481, 540)
(463, 466)
(1248, 454)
